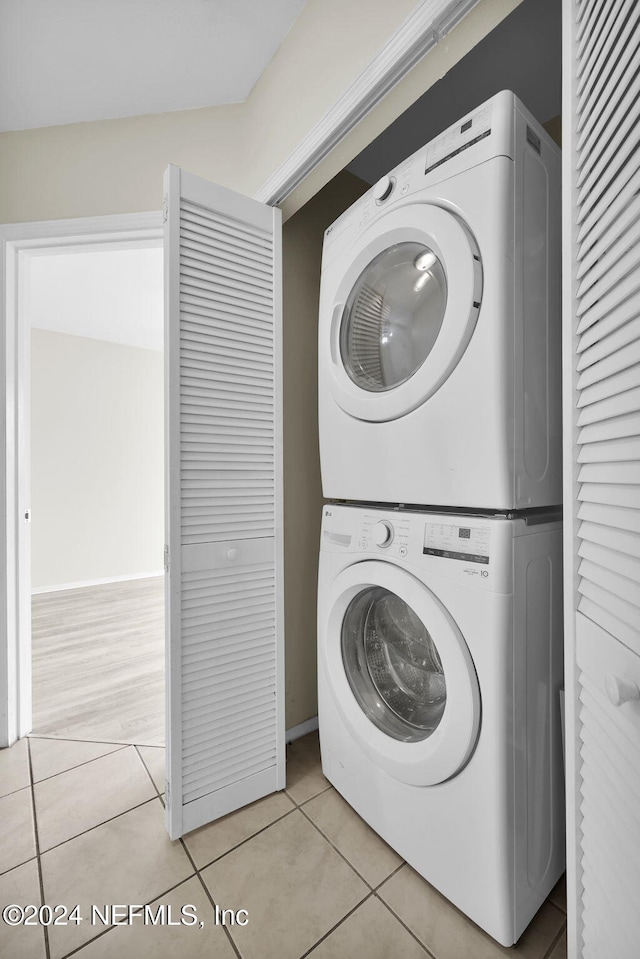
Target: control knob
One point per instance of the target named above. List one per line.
(382, 533)
(383, 188)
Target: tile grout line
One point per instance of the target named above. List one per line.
(391, 875)
(337, 926)
(110, 928)
(309, 798)
(71, 768)
(72, 739)
(556, 939)
(146, 768)
(402, 923)
(98, 824)
(335, 848)
(37, 843)
(208, 894)
(248, 839)
(14, 791)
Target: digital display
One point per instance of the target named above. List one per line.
(466, 126)
(464, 533)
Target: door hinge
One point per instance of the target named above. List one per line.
(165, 208)
(166, 558)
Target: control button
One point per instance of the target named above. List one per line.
(362, 544)
(383, 189)
(403, 550)
(405, 188)
(233, 553)
(382, 533)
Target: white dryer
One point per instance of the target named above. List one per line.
(439, 670)
(439, 329)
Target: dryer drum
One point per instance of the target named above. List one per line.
(393, 316)
(392, 665)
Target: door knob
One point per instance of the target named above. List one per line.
(620, 691)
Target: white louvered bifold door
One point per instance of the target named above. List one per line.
(601, 120)
(225, 722)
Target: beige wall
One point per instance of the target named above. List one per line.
(470, 31)
(97, 459)
(302, 251)
(116, 166)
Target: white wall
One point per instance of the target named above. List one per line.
(97, 459)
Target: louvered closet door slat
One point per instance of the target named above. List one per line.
(616, 362)
(610, 386)
(614, 427)
(610, 494)
(224, 518)
(594, 49)
(612, 266)
(594, 220)
(620, 540)
(624, 473)
(616, 74)
(608, 785)
(620, 404)
(613, 130)
(601, 197)
(612, 321)
(590, 11)
(612, 516)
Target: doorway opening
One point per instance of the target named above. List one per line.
(96, 500)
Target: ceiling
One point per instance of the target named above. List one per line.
(66, 61)
(114, 295)
(523, 53)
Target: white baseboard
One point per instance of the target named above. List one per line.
(95, 582)
(297, 732)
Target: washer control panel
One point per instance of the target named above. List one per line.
(388, 536)
(469, 544)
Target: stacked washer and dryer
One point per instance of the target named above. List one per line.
(439, 600)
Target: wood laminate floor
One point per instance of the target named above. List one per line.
(98, 663)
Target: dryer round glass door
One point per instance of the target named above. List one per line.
(392, 665)
(393, 316)
(396, 320)
(399, 672)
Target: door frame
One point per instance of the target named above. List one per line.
(18, 242)
(428, 23)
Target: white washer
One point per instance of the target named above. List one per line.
(439, 330)
(439, 670)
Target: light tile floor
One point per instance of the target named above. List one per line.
(84, 823)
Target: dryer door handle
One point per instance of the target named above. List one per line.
(334, 334)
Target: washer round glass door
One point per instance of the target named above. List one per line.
(395, 322)
(392, 665)
(399, 672)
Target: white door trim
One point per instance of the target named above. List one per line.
(17, 242)
(423, 29)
